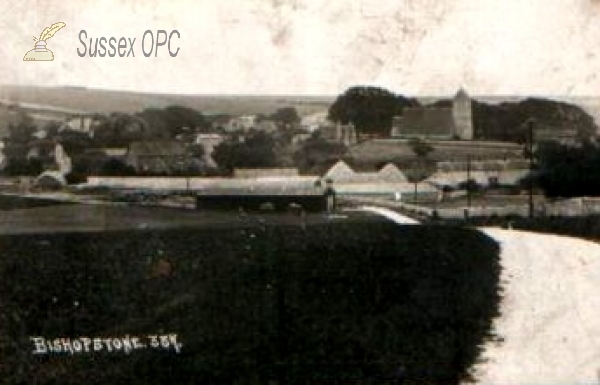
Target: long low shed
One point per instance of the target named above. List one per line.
(315, 200)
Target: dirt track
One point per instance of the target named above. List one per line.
(550, 319)
(550, 313)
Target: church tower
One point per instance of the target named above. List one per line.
(463, 115)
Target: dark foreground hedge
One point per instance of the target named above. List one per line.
(13, 202)
(338, 302)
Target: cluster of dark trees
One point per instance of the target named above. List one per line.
(370, 109)
(119, 129)
(258, 149)
(506, 121)
(254, 150)
(283, 117)
(315, 155)
(568, 171)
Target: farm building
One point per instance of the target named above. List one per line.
(194, 183)
(85, 123)
(404, 191)
(268, 126)
(490, 173)
(313, 122)
(161, 157)
(339, 133)
(265, 172)
(209, 142)
(50, 180)
(342, 173)
(50, 153)
(115, 152)
(254, 195)
(388, 183)
(240, 123)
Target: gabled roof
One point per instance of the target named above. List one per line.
(51, 178)
(339, 170)
(391, 173)
(342, 173)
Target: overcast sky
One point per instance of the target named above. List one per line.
(418, 47)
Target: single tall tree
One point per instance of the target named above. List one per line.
(370, 109)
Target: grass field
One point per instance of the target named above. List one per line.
(253, 300)
(50, 217)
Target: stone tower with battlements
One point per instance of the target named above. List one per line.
(463, 115)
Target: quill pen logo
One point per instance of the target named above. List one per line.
(40, 52)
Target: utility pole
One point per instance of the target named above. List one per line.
(469, 181)
(415, 193)
(530, 125)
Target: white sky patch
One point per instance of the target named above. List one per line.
(419, 47)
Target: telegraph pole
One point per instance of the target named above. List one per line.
(469, 181)
(530, 125)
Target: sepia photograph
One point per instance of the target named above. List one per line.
(300, 192)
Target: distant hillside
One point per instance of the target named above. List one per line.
(95, 100)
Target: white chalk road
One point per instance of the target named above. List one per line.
(389, 214)
(550, 312)
(549, 327)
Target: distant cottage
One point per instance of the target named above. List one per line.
(209, 142)
(241, 123)
(50, 180)
(339, 133)
(432, 122)
(158, 157)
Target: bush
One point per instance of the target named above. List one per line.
(251, 303)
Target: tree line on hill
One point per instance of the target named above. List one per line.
(372, 109)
